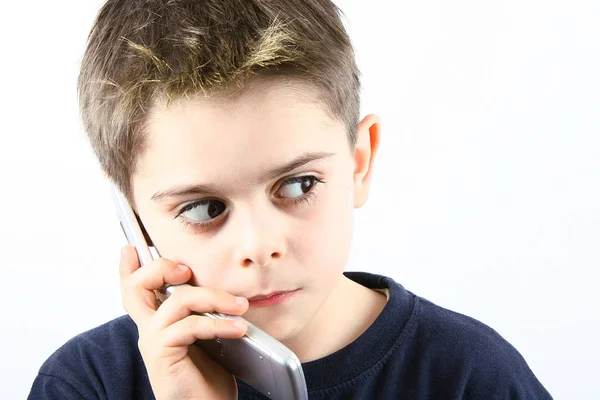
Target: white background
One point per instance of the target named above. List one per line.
(486, 196)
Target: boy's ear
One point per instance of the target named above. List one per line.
(367, 144)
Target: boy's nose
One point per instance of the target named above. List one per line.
(260, 259)
(259, 241)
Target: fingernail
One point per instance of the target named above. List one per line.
(182, 267)
(240, 300)
(238, 323)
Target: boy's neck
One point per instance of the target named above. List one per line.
(347, 313)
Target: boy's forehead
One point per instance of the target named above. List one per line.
(200, 139)
(257, 118)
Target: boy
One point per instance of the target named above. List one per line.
(232, 128)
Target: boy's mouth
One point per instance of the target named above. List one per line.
(269, 299)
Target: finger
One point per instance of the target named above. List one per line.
(129, 261)
(138, 305)
(160, 272)
(188, 299)
(138, 284)
(194, 327)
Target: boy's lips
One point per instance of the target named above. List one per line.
(269, 299)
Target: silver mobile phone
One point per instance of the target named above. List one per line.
(257, 358)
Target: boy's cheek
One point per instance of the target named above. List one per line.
(327, 239)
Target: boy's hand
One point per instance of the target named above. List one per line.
(177, 370)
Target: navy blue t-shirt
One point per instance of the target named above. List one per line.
(413, 350)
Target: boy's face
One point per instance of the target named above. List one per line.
(268, 185)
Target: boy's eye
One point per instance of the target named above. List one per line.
(203, 210)
(296, 187)
(202, 214)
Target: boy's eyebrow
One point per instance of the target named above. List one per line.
(295, 163)
(186, 190)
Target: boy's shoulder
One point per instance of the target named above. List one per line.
(103, 362)
(98, 345)
(431, 324)
(432, 352)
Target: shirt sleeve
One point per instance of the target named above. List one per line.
(53, 387)
(103, 363)
(501, 372)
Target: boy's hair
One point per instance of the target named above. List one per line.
(144, 52)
